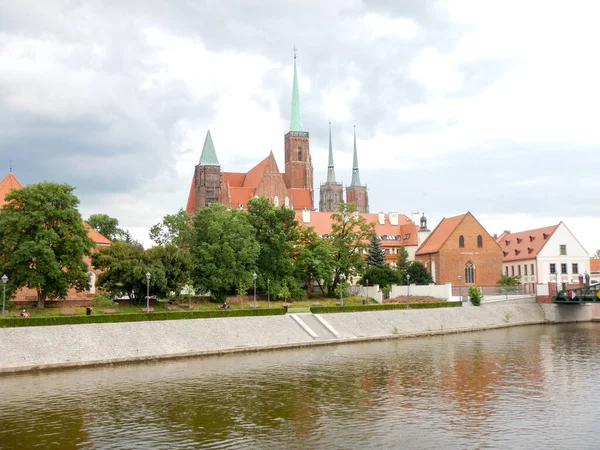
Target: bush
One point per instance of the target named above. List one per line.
(475, 295)
(137, 317)
(378, 307)
(103, 301)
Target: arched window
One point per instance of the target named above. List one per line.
(469, 272)
(299, 153)
(275, 201)
(479, 241)
(461, 241)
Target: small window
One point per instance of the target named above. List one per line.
(407, 236)
(519, 269)
(552, 268)
(461, 241)
(512, 270)
(299, 153)
(563, 249)
(525, 269)
(469, 272)
(575, 268)
(563, 268)
(506, 270)
(479, 241)
(532, 271)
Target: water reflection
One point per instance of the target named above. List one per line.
(527, 386)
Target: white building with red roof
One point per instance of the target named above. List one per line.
(549, 254)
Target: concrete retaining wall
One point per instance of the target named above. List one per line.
(32, 348)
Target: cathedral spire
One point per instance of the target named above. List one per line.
(296, 121)
(355, 174)
(208, 156)
(330, 169)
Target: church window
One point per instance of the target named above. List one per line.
(479, 241)
(469, 272)
(299, 153)
(461, 241)
(275, 201)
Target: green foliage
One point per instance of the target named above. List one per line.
(176, 263)
(375, 255)
(141, 317)
(418, 274)
(224, 249)
(314, 259)
(349, 234)
(383, 276)
(107, 226)
(507, 280)
(103, 301)
(596, 255)
(475, 295)
(175, 229)
(43, 241)
(382, 307)
(402, 260)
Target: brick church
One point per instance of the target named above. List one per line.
(292, 188)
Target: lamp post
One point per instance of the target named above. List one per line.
(459, 289)
(342, 289)
(4, 280)
(408, 287)
(367, 292)
(148, 276)
(254, 277)
(269, 293)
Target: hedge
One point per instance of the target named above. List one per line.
(385, 306)
(135, 317)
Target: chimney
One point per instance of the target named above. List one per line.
(393, 219)
(306, 215)
(414, 217)
(381, 218)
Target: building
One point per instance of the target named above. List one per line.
(544, 255)
(460, 251)
(293, 188)
(11, 182)
(594, 271)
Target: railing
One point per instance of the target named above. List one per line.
(492, 290)
(585, 294)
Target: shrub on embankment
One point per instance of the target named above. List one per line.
(111, 318)
(386, 306)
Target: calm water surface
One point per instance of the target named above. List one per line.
(525, 387)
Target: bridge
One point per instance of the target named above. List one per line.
(585, 294)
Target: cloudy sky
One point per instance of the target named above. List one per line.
(482, 106)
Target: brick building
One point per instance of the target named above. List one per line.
(460, 251)
(292, 188)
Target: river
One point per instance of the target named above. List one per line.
(523, 387)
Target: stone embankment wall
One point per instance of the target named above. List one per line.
(33, 348)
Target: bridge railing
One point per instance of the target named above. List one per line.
(584, 294)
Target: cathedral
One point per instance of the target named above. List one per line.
(293, 188)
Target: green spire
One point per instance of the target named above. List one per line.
(330, 169)
(208, 156)
(296, 122)
(355, 175)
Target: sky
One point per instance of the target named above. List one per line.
(467, 105)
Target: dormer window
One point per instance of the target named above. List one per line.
(506, 242)
(531, 238)
(505, 253)
(546, 236)
(519, 240)
(517, 251)
(529, 250)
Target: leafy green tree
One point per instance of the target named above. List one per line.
(375, 255)
(507, 280)
(349, 236)
(596, 255)
(177, 264)
(383, 276)
(43, 241)
(224, 249)
(418, 274)
(174, 229)
(475, 295)
(277, 234)
(107, 226)
(314, 259)
(402, 260)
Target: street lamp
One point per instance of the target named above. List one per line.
(269, 292)
(367, 292)
(148, 276)
(342, 289)
(408, 286)
(254, 277)
(460, 289)
(4, 280)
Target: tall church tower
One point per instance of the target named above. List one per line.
(207, 176)
(331, 193)
(357, 193)
(298, 163)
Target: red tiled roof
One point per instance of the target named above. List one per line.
(254, 175)
(524, 244)
(440, 235)
(191, 198)
(95, 236)
(9, 183)
(594, 265)
(300, 198)
(241, 195)
(234, 179)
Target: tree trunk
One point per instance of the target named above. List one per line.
(41, 299)
(308, 287)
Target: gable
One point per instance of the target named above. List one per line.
(563, 236)
(440, 235)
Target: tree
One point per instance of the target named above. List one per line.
(314, 259)
(107, 226)
(402, 260)
(596, 255)
(174, 229)
(43, 241)
(383, 276)
(475, 295)
(375, 255)
(176, 263)
(224, 249)
(418, 274)
(277, 234)
(349, 236)
(507, 280)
